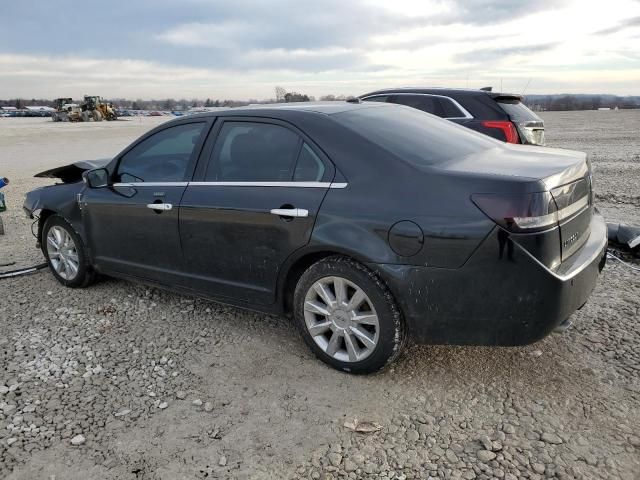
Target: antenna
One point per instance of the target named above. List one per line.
(501, 86)
(526, 86)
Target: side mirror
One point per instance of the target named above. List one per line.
(97, 178)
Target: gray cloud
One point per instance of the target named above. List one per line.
(629, 23)
(489, 12)
(491, 54)
(234, 34)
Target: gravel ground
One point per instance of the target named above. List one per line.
(129, 382)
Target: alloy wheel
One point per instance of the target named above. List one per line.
(63, 253)
(341, 319)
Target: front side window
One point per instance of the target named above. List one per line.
(163, 157)
(253, 152)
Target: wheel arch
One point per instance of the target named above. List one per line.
(298, 263)
(45, 213)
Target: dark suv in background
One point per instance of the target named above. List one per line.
(499, 115)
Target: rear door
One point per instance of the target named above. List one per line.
(251, 205)
(133, 225)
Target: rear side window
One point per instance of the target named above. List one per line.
(518, 111)
(425, 103)
(412, 136)
(377, 98)
(253, 152)
(163, 157)
(450, 109)
(309, 167)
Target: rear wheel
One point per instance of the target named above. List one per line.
(65, 253)
(347, 316)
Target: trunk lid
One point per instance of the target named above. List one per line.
(565, 174)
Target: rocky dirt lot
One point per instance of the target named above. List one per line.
(123, 381)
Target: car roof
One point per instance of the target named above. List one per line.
(323, 108)
(440, 91)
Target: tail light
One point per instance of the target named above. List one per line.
(508, 128)
(519, 213)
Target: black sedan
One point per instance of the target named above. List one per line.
(368, 223)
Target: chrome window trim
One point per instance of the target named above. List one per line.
(271, 184)
(236, 184)
(467, 115)
(151, 184)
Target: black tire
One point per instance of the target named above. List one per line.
(392, 333)
(85, 275)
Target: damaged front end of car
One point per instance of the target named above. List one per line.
(60, 198)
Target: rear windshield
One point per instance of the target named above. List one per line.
(412, 135)
(518, 111)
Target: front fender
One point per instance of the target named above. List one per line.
(58, 199)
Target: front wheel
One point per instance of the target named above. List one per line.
(347, 316)
(65, 253)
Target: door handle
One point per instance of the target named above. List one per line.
(290, 212)
(159, 207)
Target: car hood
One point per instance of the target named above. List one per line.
(73, 172)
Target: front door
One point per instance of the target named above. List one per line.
(132, 225)
(254, 206)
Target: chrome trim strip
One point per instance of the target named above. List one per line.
(467, 115)
(235, 184)
(555, 217)
(575, 207)
(151, 184)
(270, 184)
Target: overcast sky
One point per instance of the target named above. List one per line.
(243, 48)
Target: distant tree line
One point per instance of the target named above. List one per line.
(138, 104)
(580, 102)
(535, 102)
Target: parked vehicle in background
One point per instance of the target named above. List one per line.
(66, 110)
(499, 115)
(156, 114)
(95, 108)
(366, 222)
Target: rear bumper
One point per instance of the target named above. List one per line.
(513, 300)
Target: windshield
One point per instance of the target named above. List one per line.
(412, 135)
